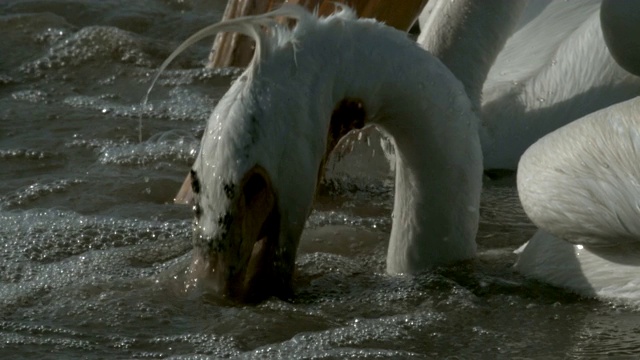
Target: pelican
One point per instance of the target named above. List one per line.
(581, 186)
(531, 67)
(265, 144)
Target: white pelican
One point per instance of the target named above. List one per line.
(265, 144)
(553, 69)
(581, 186)
(580, 183)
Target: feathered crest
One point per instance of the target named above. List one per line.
(256, 27)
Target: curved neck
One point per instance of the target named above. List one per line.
(427, 113)
(413, 98)
(438, 185)
(467, 35)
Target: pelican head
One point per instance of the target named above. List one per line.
(253, 185)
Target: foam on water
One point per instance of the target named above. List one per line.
(42, 237)
(180, 149)
(36, 191)
(26, 154)
(181, 106)
(89, 45)
(33, 96)
(347, 341)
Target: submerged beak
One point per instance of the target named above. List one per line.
(242, 261)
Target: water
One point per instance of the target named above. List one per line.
(93, 252)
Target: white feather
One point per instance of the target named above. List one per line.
(581, 186)
(579, 183)
(553, 69)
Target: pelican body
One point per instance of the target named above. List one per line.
(581, 186)
(531, 67)
(266, 142)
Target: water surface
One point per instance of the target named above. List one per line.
(93, 252)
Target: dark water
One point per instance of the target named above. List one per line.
(93, 252)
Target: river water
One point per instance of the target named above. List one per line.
(93, 252)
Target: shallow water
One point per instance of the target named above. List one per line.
(93, 252)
